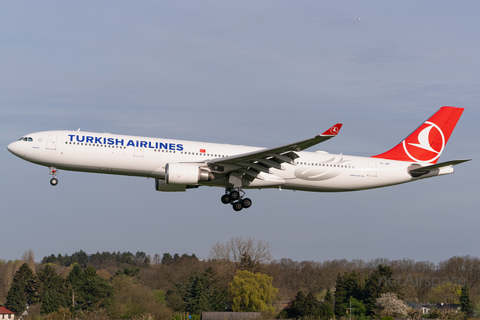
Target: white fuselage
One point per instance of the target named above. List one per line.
(147, 157)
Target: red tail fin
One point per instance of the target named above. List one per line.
(427, 142)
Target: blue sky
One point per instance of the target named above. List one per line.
(260, 73)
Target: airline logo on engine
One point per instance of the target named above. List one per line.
(427, 145)
(125, 142)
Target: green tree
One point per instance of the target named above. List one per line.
(466, 304)
(325, 311)
(381, 281)
(347, 286)
(16, 298)
(167, 258)
(447, 293)
(251, 291)
(71, 285)
(52, 301)
(298, 306)
(204, 293)
(93, 291)
(174, 297)
(48, 279)
(329, 297)
(311, 306)
(23, 290)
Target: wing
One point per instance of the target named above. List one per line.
(251, 164)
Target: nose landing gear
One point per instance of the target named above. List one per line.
(235, 198)
(54, 180)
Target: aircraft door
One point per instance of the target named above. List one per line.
(52, 142)
(372, 169)
(138, 152)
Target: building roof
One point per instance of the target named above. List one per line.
(230, 315)
(4, 310)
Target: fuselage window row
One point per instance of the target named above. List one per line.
(95, 145)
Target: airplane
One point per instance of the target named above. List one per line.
(178, 165)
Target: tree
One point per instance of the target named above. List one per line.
(51, 302)
(51, 290)
(71, 284)
(329, 297)
(355, 307)
(447, 293)
(298, 306)
(325, 312)
(29, 258)
(156, 259)
(389, 305)
(48, 279)
(258, 251)
(136, 301)
(466, 304)
(204, 293)
(93, 291)
(23, 290)
(311, 306)
(16, 298)
(347, 286)
(251, 292)
(381, 281)
(167, 258)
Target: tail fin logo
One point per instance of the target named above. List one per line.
(427, 146)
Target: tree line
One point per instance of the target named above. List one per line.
(135, 284)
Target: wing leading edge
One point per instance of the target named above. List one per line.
(251, 164)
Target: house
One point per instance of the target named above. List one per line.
(231, 315)
(6, 314)
(422, 308)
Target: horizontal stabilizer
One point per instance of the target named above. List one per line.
(438, 165)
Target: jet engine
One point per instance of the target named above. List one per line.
(186, 173)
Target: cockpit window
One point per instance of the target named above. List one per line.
(20, 139)
(25, 139)
(30, 139)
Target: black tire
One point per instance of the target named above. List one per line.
(234, 195)
(226, 199)
(247, 203)
(54, 181)
(237, 206)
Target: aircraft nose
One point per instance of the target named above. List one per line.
(15, 148)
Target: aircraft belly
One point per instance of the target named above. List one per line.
(348, 181)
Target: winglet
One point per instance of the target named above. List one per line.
(333, 131)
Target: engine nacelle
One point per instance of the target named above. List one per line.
(161, 185)
(186, 173)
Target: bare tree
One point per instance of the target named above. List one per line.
(237, 248)
(450, 314)
(29, 258)
(156, 259)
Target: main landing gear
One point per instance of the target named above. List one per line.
(235, 198)
(54, 180)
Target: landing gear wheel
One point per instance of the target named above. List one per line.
(54, 181)
(235, 195)
(237, 206)
(226, 199)
(246, 203)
